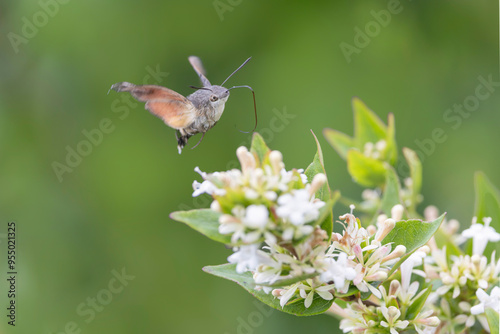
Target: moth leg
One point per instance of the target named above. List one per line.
(182, 140)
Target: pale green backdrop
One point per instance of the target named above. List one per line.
(112, 210)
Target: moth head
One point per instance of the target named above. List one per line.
(218, 94)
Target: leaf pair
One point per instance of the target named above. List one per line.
(368, 128)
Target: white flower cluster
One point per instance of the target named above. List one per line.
(386, 310)
(464, 279)
(375, 151)
(274, 221)
(354, 257)
(263, 202)
(460, 283)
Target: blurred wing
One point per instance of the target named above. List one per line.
(198, 67)
(173, 108)
(175, 114)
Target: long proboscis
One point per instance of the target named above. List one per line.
(254, 103)
(239, 68)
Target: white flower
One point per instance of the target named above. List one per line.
(392, 315)
(492, 300)
(249, 258)
(413, 260)
(307, 292)
(338, 272)
(480, 235)
(256, 216)
(286, 294)
(298, 208)
(207, 187)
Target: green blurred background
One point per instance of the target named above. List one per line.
(112, 210)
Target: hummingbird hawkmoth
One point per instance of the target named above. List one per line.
(196, 113)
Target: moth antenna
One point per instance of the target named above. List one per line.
(246, 61)
(205, 88)
(198, 143)
(254, 103)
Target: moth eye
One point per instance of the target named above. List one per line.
(213, 98)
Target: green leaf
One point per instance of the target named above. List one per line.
(259, 148)
(245, 280)
(317, 166)
(368, 127)
(487, 205)
(205, 221)
(412, 234)
(391, 192)
(325, 214)
(492, 317)
(339, 141)
(417, 304)
(365, 171)
(416, 176)
(444, 239)
(289, 281)
(351, 291)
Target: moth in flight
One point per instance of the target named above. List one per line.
(196, 113)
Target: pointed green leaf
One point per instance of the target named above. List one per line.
(391, 192)
(368, 127)
(205, 221)
(493, 317)
(487, 205)
(416, 176)
(365, 171)
(417, 304)
(412, 234)
(324, 194)
(245, 280)
(259, 147)
(339, 141)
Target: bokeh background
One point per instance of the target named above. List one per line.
(112, 210)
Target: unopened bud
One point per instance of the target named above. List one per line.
(453, 226)
(431, 213)
(399, 251)
(277, 292)
(394, 287)
(371, 230)
(318, 181)
(397, 212)
(381, 145)
(378, 276)
(431, 321)
(384, 230)
(426, 249)
(215, 206)
(247, 160)
(276, 160)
